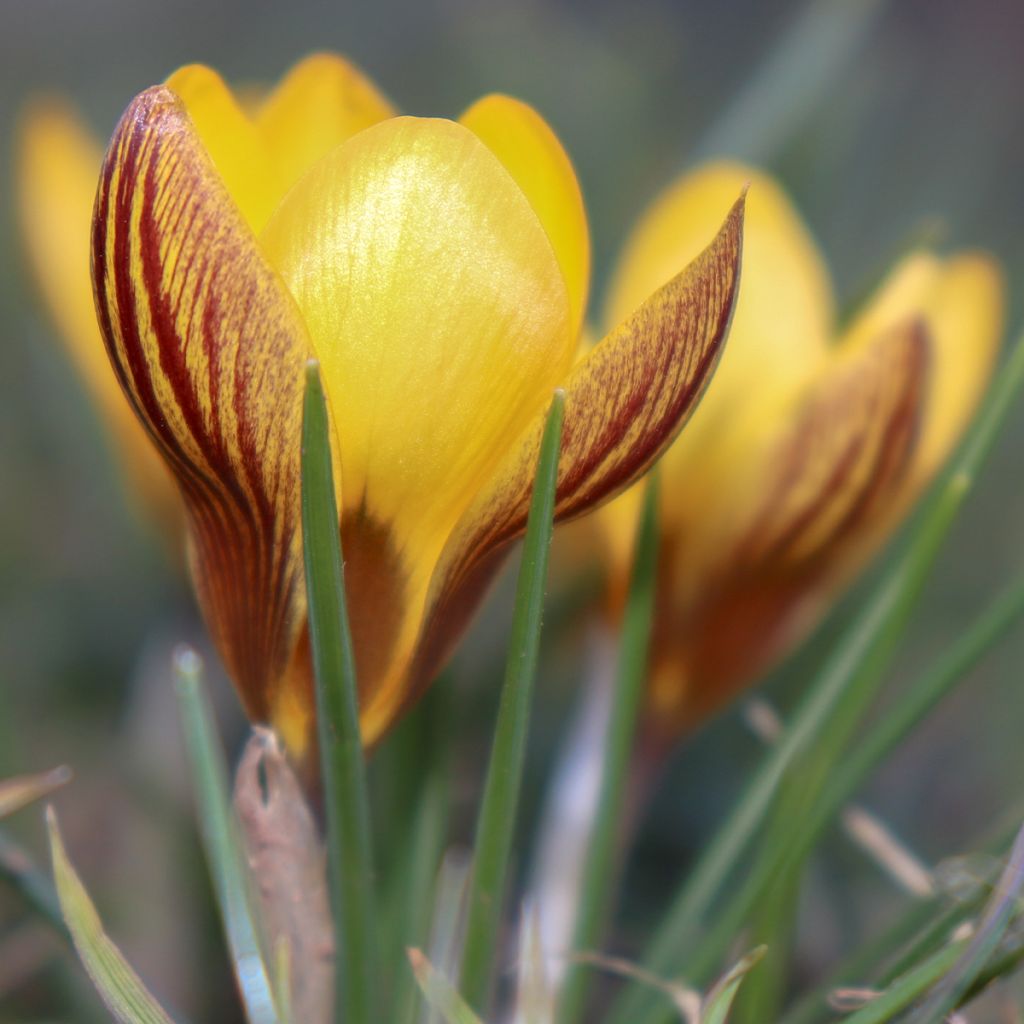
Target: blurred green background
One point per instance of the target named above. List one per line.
(920, 121)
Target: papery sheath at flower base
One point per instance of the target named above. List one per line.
(438, 271)
(809, 447)
(57, 164)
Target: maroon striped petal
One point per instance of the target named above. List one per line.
(209, 348)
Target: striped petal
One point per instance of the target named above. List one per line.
(781, 331)
(804, 510)
(624, 404)
(530, 151)
(209, 349)
(58, 164)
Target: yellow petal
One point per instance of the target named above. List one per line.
(232, 141)
(319, 104)
(58, 165)
(963, 302)
(624, 403)
(436, 309)
(530, 151)
(803, 510)
(440, 319)
(180, 283)
(965, 315)
(781, 330)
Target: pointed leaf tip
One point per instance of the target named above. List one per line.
(120, 988)
(25, 789)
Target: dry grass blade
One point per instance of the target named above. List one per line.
(687, 1001)
(25, 789)
(287, 862)
(440, 992)
(535, 996)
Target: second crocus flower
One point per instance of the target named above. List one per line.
(810, 445)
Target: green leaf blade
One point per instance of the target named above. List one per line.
(500, 803)
(716, 1005)
(439, 992)
(599, 867)
(119, 986)
(843, 691)
(342, 763)
(218, 829)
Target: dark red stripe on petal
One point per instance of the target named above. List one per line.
(209, 349)
(835, 481)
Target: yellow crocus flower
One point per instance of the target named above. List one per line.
(809, 446)
(438, 271)
(58, 163)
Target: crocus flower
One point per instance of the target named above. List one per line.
(810, 445)
(438, 272)
(58, 163)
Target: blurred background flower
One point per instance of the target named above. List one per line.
(812, 443)
(919, 117)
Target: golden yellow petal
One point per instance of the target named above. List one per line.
(440, 319)
(57, 168)
(232, 141)
(965, 315)
(530, 151)
(321, 102)
(904, 293)
(624, 403)
(181, 287)
(803, 510)
(436, 309)
(963, 301)
(784, 315)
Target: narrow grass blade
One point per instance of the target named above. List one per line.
(856, 765)
(498, 811)
(599, 866)
(1000, 912)
(283, 982)
(24, 877)
(918, 700)
(718, 1001)
(783, 91)
(420, 871)
(535, 996)
(439, 992)
(848, 682)
(221, 843)
(343, 770)
(118, 985)
(25, 789)
(903, 992)
(923, 930)
(773, 922)
(447, 923)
